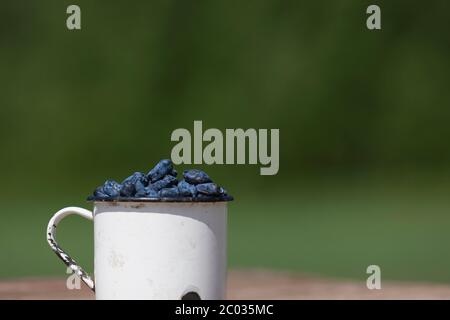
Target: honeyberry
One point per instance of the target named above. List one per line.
(163, 168)
(195, 176)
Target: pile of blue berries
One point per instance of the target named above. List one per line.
(161, 184)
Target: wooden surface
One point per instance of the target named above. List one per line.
(249, 285)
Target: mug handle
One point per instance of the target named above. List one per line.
(51, 233)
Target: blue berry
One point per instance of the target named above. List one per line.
(111, 188)
(166, 182)
(151, 193)
(161, 182)
(174, 172)
(128, 189)
(195, 176)
(163, 168)
(169, 192)
(134, 184)
(139, 186)
(99, 193)
(135, 177)
(209, 189)
(186, 189)
(202, 196)
(140, 189)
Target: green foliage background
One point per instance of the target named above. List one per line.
(363, 118)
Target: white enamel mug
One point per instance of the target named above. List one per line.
(153, 250)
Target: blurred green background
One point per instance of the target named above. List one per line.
(363, 116)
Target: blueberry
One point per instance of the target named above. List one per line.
(163, 168)
(111, 188)
(140, 194)
(201, 196)
(151, 193)
(99, 193)
(209, 189)
(166, 182)
(174, 172)
(139, 186)
(128, 189)
(186, 189)
(135, 177)
(169, 192)
(161, 181)
(195, 176)
(140, 189)
(133, 185)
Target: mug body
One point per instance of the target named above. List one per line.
(160, 250)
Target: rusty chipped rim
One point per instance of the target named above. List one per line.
(226, 198)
